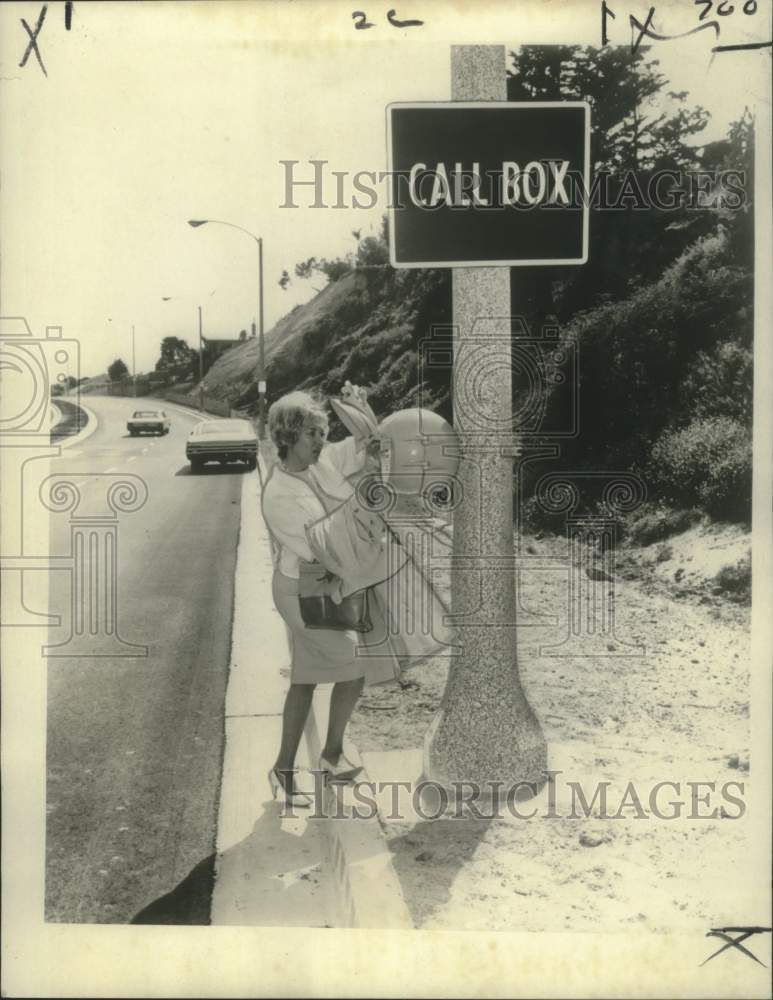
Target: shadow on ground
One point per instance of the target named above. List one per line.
(213, 470)
(188, 903)
(277, 875)
(428, 859)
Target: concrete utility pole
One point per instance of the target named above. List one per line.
(262, 349)
(485, 729)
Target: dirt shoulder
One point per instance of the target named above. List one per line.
(676, 711)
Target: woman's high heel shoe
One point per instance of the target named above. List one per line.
(341, 772)
(292, 798)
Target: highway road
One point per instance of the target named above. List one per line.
(135, 744)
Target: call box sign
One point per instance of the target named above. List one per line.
(495, 183)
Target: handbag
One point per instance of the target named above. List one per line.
(319, 610)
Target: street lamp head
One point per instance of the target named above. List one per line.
(197, 222)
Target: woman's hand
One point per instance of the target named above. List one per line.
(354, 394)
(373, 446)
(356, 397)
(373, 453)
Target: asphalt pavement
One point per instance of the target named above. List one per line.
(135, 743)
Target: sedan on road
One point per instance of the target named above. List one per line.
(148, 422)
(225, 440)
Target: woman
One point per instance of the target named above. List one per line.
(308, 474)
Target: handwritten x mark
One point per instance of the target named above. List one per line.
(743, 933)
(32, 45)
(646, 30)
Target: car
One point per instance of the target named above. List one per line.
(148, 422)
(225, 440)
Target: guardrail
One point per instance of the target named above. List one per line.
(210, 405)
(194, 400)
(200, 401)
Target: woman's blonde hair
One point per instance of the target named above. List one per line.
(287, 416)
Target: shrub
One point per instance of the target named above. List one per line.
(736, 580)
(654, 522)
(636, 376)
(706, 464)
(532, 518)
(720, 383)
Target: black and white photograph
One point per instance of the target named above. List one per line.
(385, 443)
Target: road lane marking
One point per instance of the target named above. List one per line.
(114, 469)
(131, 459)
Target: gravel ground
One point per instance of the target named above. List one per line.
(678, 713)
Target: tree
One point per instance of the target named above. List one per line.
(638, 127)
(117, 370)
(174, 354)
(332, 268)
(630, 129)
(306, 268)
(372, 253)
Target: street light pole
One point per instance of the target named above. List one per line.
(195, 223)
(134, 369)
(201, 365)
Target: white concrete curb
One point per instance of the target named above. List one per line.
(81, 436)
(368, 893)
(55, 415)
(367, 887)
(268, 868)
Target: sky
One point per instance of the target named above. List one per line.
(154, 114)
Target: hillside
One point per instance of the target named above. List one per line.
(364, 327)
(233, 375)
(664, 373)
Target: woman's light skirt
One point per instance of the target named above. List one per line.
(318, 656)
